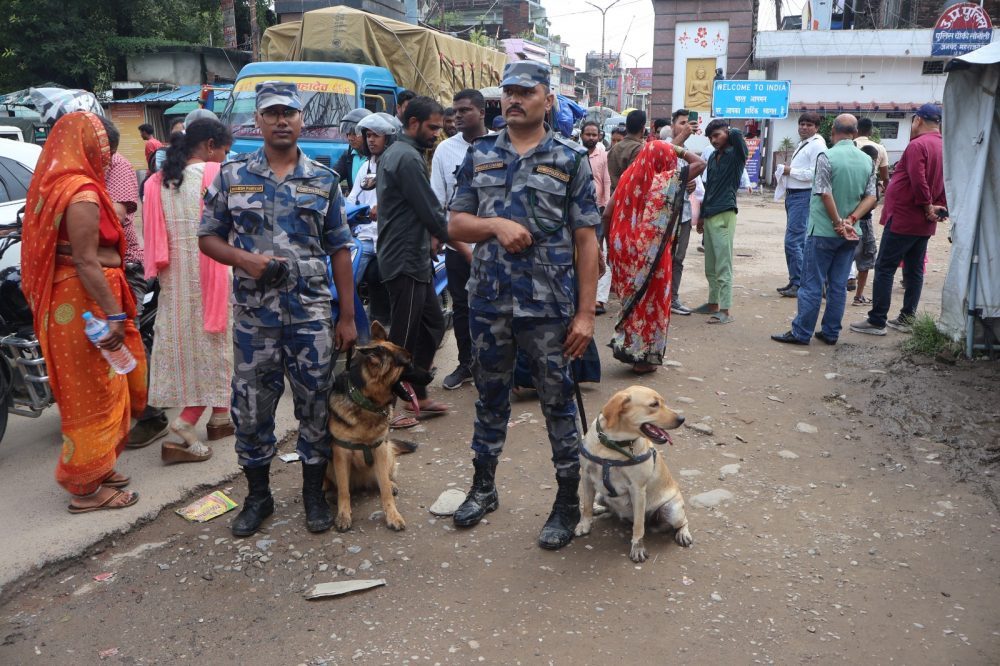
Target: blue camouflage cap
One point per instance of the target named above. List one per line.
(526, 74)
(274, 93)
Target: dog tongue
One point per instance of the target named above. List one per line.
(413, 399)
(657, 433)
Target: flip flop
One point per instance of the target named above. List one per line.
(704, 309)
(428, 411)
(115, 480)
(402, 421)
(107, 504)
(720, 318)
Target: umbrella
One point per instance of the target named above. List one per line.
(53, 103)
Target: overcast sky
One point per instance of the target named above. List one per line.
(579, 25)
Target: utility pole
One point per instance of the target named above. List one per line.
(600, 77)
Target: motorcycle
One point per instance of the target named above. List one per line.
(359, 214)
(24, 380)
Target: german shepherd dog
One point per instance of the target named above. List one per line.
(360, 409)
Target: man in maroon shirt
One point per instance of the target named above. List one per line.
(914, 204)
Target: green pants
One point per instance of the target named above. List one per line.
(719, 232)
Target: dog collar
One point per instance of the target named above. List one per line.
(616, 445)
(362, 401)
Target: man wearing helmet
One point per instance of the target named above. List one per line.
(350, 162)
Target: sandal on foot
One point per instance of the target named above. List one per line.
(861, 300)
(431, 410)
(402, 421)
(111, 502)
(720, 318)
(115, 480)
(172, 453)
(704, 308)
(220, 430)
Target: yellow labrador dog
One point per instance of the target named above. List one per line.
(619, 461)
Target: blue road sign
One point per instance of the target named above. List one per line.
(750, 99)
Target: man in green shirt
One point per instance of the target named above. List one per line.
(718, 217)
(843, 192)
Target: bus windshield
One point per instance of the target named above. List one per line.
(325, 100)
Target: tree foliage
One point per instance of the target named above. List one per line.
(83, 43)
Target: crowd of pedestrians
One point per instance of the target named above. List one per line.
(539, 232)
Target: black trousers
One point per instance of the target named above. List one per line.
(458, 277)
(416, 323)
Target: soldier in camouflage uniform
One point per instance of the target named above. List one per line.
(526, 198)
(275, 215)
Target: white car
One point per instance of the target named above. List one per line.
(17, 164)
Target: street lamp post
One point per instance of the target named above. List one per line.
(600, 78)
(635, 75)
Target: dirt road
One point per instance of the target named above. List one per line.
(862, 528)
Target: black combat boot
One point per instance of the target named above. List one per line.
(319, 518)
(558, 529)
(258, 505)
(482, 497)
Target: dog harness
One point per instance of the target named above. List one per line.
(362, 401)
(607, 463)
(366, 449)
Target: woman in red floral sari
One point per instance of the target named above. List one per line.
(647, 198)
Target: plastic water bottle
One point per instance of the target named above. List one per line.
(121, 360)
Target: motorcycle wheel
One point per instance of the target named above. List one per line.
(5, 386)
(446, 309)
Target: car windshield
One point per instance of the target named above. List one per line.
(325, 102)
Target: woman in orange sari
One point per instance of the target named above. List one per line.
(639, 251)
(72, 252)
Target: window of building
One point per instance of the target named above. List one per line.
(933, 67)
(887, 130)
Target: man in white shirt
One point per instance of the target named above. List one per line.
(797, 197)
(470, 121)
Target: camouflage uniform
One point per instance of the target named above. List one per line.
(283, 329)
(527, 300)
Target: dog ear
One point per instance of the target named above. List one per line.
(379, 333)
(402, 358)
(612, 411)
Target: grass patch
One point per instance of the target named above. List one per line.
(926, 339)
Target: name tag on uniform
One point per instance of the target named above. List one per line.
(552, 171)
(489, 166)
(305, 189)
(245, 189)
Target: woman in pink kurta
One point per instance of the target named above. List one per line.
(191, 364)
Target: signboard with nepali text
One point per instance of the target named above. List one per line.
(962, 28)
(750, 99)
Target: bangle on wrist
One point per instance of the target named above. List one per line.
(121, 316)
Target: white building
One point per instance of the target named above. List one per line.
(880, 74)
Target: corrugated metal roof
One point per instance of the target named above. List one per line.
(178, 94)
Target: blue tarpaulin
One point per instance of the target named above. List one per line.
(566, 115)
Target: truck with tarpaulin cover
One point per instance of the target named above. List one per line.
(343, 59)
